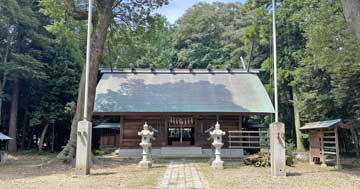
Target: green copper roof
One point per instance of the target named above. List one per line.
(237, 92)
(4, 137)
(320, 124)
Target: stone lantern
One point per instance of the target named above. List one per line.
(146, 136)
(217, 134)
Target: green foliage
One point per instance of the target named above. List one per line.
(290, 147)
(24, 43)
(101, 152)
(208, 34)
(328, 77)
(144, 45)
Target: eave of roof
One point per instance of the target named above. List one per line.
(4, 137)
(108, 126)
(321, 124)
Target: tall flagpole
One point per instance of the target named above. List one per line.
(275, 63)
(88, 48)
(84, 129)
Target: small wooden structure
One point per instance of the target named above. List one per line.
(3, 154)
(324, 140)
(109, 135)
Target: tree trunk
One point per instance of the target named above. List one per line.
(104, 17)
(299, 144)
(355, 137)
(352, 15)
(42, 137)
(12, 147)
(3, 82)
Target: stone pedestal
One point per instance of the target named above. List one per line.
(3, 157)
(83, 148)
(146, 137)
(216, 135)
(145, 164)
(217, 164)
(277, 149)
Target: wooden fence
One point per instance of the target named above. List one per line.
(244, 139)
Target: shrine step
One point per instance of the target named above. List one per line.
(181, 151)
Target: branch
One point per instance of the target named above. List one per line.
(74, 11)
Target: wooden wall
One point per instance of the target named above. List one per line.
(132, 124)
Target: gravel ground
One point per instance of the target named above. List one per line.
(302, 175)
(45, 172)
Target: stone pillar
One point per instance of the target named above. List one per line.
(146, 137)
(216, 135)
(83, 148)
(277, 149)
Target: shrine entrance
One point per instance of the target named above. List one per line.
(181, 131)
(181, 136)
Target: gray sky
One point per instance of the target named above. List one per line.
(176, 8)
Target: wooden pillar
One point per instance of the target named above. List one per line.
(323, 159)
(311, 145)
(240, 123)
(165, 139)
(121, 130)
(338, 164)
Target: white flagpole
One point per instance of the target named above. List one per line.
(275, 63)
(88, 47)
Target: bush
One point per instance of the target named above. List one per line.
(101, 152)
(290, 155)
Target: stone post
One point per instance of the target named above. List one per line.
(83, 148)
(217, 134)
(146, 137)
(277, 149)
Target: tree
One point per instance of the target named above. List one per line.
(327, 78)
(51, 95)
(106, 12)
(352, 11)
(204, 35)
(24, 42)
(143, 45)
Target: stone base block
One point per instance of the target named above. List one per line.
(338, 167)
(217, 164)
(145, 164)
(83, 148)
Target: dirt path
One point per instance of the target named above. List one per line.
(42, 172)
